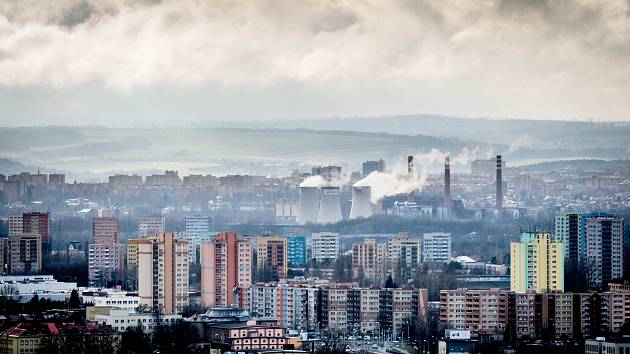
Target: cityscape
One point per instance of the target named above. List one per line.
(259, 178)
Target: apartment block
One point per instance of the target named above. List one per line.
(25, 254)
(296, 250)
(150, 226)
(369, 258)
(436, 247)
(537, 263)
(226, 263)
(272, 255)
(604, 250)
(324, 246)
(405, 250)
(163, 273)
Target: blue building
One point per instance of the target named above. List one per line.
(296, 250)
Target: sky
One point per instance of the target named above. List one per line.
(152, 63)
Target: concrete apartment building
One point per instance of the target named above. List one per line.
(478, 311)
(272, 255)
(537, 263)
(604, 250)
(529, 315)
(436, 247)
(226, 262)
(163, 273)
(324, 246)
(25, 253)
(406, 250)
(198, 230)
(369, 258)
(105, 255)
(150, 226)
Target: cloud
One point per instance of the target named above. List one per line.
(523, 54)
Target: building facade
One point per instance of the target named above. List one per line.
(324, 246)
(163, 273)
(436, 247)
(537, 263)
(226, 263)
(272, 255)
(105, 255)
(25, 254)
(296, 251)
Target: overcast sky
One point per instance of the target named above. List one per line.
(125, 62)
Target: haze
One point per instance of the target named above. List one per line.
(137, 63)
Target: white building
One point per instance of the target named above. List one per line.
(197, 230)
(110, 298)
(121, 319)
(150, 226)
(35, 284)
(436, 247)
(324, 246)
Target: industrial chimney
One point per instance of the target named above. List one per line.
(410, 197)
(361, 205)
(499, 188)
(330, 206)
(308, 205)
(448, 204)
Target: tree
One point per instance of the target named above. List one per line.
(8, 289)
(332, 343)
(74, 301)
(389, 283)
(135, 341)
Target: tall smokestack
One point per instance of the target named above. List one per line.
(499, 187)
(410, 198)
(447, 186)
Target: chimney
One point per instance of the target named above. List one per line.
(447, 187)
(499, 187)
(410, 197)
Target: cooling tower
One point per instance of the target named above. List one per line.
(361, 205)
(330, 206)
(308, 206)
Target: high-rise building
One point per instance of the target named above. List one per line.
(163, 273)
(4, 255)
(371, 166)
(604, 250)
(499, 187)
(25, 253)
(567, 231)
(15, 225)
(150, 226)
(106, 257)
(198, 228)
(537, 263)
(296, 250)
(271, 255)
(324, 246)
(36, 223)
(369, 258)
(436, 247)
(226, 263)
(404, 250)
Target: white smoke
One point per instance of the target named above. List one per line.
(314, 181)
(397, 181)
(520, 142)
(383, 184)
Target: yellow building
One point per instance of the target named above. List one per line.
(272, 254)
(537, 263)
